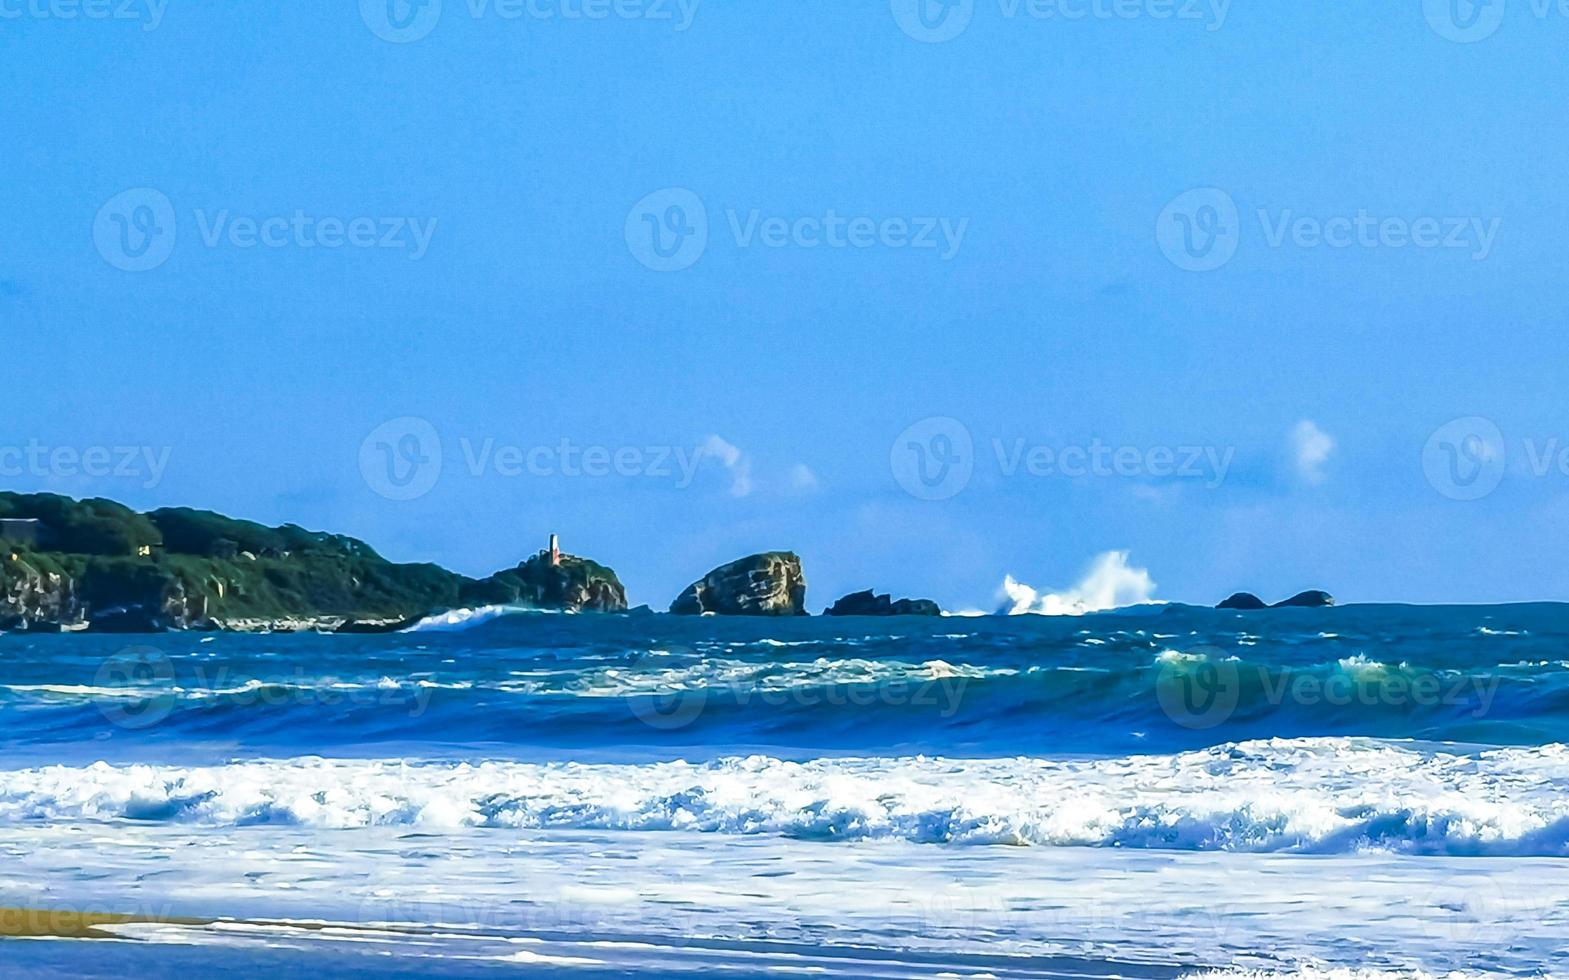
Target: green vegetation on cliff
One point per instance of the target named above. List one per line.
(61, 558)
(188, 564)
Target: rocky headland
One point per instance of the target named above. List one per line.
(68, 565)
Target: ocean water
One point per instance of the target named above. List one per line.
(1366, 791)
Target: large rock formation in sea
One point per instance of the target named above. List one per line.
(567, 583)
(1243, 601)
(1247, 601)
(1312, 599)
(869, 603)
(769, 584)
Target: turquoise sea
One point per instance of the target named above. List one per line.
(1362, 791)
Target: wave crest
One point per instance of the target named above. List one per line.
(1309, 795)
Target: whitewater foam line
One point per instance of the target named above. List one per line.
(619, 681)
(1346, 973)
(1315, 795)
(454, 620)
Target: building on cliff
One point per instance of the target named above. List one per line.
(25, 530)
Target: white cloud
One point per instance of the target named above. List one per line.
(1311, 448)
(799, 479)
(1110, 583)
(733, 460)
(802, 479)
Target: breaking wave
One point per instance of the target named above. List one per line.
(1324, 796)
(1110, 583)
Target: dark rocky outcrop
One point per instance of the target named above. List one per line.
(1247, 601)
(1244, 600)
(572, 584)
(869, 603)
(132, 619)
(769, 584)
(1313, 599)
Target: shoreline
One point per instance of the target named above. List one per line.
(35, 923)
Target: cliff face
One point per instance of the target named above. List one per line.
(31, 599)
(770, 584)
(575, 585)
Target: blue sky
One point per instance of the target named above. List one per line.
(1268, 256)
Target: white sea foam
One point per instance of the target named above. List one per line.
(1110, 583)
(1314, 795)
(461, 619)
(1338, 973)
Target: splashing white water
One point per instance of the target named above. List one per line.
(461, 619)
(1110, 583)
